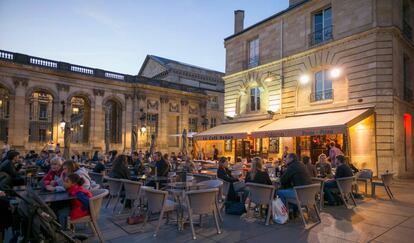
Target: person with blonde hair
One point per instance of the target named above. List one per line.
(257, 174)
(323, 166)
(53, 176)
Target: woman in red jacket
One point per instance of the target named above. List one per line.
(50, 181)
(80, 204)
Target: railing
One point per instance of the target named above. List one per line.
(407, 30)
(253, 62)
(327, 94)
(321, 36)
(63, 66)
(214, 106)
(408, 94)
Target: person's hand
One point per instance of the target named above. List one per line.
(50, 188)
(2, 194)
(53, 182)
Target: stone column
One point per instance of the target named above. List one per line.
(141, 101)
(128, 121)
(97, 132)
(184, 118)
(163, 130)
(19, 120)
(58, 132)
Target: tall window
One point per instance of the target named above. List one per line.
(323, 86)
(192, 127)
(253, 53)
(40, 116)
(322, 26)
(113, 123)
(152, 126)
(254, 99)
(174, 131)
(408, 89)
(213, 122)
(4, 113)
(80, 119)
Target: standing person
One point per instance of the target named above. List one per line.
(342, 170)
(51, 147)
(324, 167)
(201, 154)
(10, 166)
(215, 153)
(295, 175)
(333, 152)
(285, 153)
(309, 166)
(257, 174)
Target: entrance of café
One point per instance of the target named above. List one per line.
(313, 146)
(249, 148)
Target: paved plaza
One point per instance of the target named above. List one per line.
(374, 220)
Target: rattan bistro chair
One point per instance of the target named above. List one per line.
(306, 198)
(95, 204)
(386, 181)
(202, 202)
(132, 192)
(261, 195)
(214, 184)
(115, 187)
(320, 196)
(345, 189)
(97, 177)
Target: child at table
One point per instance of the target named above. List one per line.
(80, 204)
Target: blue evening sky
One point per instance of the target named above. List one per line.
(117, 35)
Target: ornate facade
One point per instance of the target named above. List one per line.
(105, 110)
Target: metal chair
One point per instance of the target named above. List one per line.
(132, 192)
(115, 187)
(386, 181)
(261, 195)
(305, 198)
(320, 195)
(97, 177)
(202, 202)
(364, 176)
(345, 189)
(95, 204)
(157, 203)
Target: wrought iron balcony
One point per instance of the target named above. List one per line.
(321, 36)
(407, 30)
(327, 94)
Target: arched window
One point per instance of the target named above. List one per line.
(323, 86)
(4, 113)
(40, 116)
(80, 119)
(113, 122)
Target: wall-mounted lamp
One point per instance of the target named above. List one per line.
(271, 76)
(335, 73)
(143, 129)
(62, 124)
(304, 79)
(270, 112)
(81, 125)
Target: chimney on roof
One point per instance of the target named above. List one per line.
(238, 21)
(294, 2)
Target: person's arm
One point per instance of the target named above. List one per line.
(84, 199)
(285, 180)
(47, 179)
(267, 179)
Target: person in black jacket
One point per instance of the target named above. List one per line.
(342, 170)
(224, 174)
(100, 165)
(256, 174)
(296, 174)
(11, 166)
(162, 168)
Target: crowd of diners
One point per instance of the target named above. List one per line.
(72, 176)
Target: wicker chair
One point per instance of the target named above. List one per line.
(95, 204)
(306, 198)
(262, 195)
(132, 192)
(214, 184)
(345, 189)
(320, 195)
(386, 181)
(115, 187)
(199, 178)
(202, 202)
(97, 177)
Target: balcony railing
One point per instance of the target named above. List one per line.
(253, 62)
(327, 94)
(408, 95)
(407, 30)
(321, 36)
(214, 106)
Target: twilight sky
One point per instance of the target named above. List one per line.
(116, 35)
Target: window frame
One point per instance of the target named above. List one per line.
(257, 99)
(324, 34)
(326, 94)
(253, 61)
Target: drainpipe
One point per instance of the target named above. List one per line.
(281, 68)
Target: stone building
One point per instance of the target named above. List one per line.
(103, 109)
(322, 71)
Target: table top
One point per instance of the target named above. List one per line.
(50, 197)
(182, 184)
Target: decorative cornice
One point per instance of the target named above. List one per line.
(62, 87)
(129, 96)
(184, 102)
(141, 97)
(164, 99)
(98, 92)
(20, 81)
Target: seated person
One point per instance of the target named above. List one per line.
(324, 167)
(296, 174)
(53, 176)
(309, 166)
(161, 168)
(10, 166)
(257, 174)
(120, 168)
(43, 161)
(189, 166)
(70, 167)
(342, 170)
(100, 165)
(224, 174)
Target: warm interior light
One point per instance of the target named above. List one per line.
(1, 103)
(335, 72)
(75, 110)
(81, 125)
(268, 79)
(249, 132)
(72, 129)
(143, 129)
(62, 124)
(304, 79)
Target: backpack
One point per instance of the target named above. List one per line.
(234, 208)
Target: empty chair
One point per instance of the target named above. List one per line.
(364, 176)
(95, 204)
(214, 184)
(345, 189)
(386, 181)
(97, 177)
(261, 195)
(202, 202)
(132, 192)
(306, 198)
(115, 187)
(320, 195)
(158, 202)
(199, 178)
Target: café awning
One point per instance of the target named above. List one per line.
(313, 124)
(238, 130)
